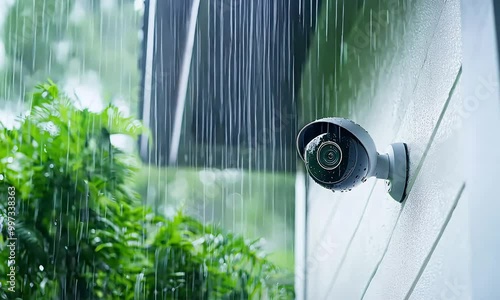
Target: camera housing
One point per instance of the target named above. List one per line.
(340, 155)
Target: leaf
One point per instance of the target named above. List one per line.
(102, 246)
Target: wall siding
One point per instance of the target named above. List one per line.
(446, 276)
(362, 244)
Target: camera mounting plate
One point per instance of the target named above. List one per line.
(397, 182)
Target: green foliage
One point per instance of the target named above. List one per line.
(256, 204)
(30, 26)
(73, 42)
(83, 233)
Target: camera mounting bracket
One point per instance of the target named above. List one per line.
(393, 166)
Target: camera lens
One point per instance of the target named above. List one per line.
(329, 155)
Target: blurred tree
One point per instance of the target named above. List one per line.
(67, 39)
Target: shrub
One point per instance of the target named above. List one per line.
(83, 233)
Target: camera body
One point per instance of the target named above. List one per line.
(340, 155)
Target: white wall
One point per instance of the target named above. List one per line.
(401, 77)
(481, 92)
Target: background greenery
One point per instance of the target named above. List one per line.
(254, 204)
(76, 42)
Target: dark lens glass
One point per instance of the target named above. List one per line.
(329, 155)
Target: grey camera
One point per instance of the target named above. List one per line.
(340, 155)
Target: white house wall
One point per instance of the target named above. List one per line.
(407, 88)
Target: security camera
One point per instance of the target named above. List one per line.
(340, 155)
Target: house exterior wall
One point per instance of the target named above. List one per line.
(399, 76)
(481, 89)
